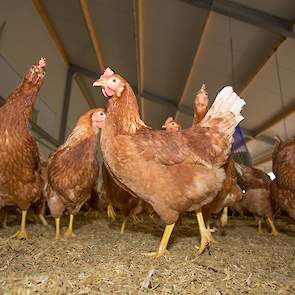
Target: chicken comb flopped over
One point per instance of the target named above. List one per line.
(107, 73)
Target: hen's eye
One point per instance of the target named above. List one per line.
(101, 114)
(114, 80)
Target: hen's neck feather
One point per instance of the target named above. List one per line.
(19, 104)
(123, 112)
(80, 133)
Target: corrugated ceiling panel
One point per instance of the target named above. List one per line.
(172, 30)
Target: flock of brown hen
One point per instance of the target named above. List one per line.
(163, 173)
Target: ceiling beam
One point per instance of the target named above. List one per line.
(139, 40)
(39, 6)
(93, 35)
(258, 18)
(41, 10)
(277, 118)
(65, 108)
(38, 130)
(263, 62)
(194, 62)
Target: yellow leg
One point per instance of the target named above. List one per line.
(69, 233)
(43, 220)
(123, 226)
(22, 233)
(164, 242)
(57, 228)
(274, 231)
(111, 212)
(224, 217)
(260, 231)
(205, 233)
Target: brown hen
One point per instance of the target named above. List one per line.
(73, 169)
(174, 172)
(230, 192)
(257, 198)
(283, 186)
(20, 183)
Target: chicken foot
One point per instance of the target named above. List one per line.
(22, 233)
(57, 228)
(69, 233)
(162, 250)
(224, 217)
(274, 231)
(205, 233)
(43, 220)
(111, 212)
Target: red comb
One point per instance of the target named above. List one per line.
(107, 73)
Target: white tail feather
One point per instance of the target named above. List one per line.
(227, 101)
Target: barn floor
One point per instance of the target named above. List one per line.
(100, 260)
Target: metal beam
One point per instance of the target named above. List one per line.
(40, 8)
(92, 33)
(277, 118)
(139, 39)
(38, 130)
(85, 72)
(194, 62)
(281, 26)
(65, 108)
(43, 134)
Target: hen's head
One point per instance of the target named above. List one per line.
(98, 117)
(94, 118)
(111, 83)
(171, 125)
(201, 99)
(36, 74)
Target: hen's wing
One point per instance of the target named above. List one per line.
(65, 164)
(195, 145)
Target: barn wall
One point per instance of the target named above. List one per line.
(23, 41)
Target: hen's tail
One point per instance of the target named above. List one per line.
(227, 101)
(225, 113)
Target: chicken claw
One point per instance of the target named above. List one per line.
(162, 251)
(111, 212)
(205, 233)
(274, 231)
(69, 233)
(22, 233)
